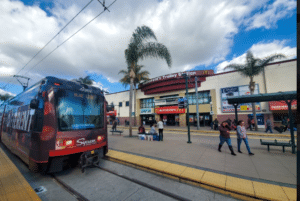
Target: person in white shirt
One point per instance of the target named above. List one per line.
(242, 136)
(160, 125)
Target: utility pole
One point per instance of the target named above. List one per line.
(187, 105)
(197, 106)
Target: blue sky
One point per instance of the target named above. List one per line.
(199, 34)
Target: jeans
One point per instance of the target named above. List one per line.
(161, 135)
(223, 139)
(239, 142)
(269, 128)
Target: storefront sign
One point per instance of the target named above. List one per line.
(179, 75)
(238, 91)
(146, 111)
(112, 113)
(281, 105)
(169, 110)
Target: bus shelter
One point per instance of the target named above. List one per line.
(288, 97)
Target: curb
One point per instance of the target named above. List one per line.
(228, 185)
(232, 132)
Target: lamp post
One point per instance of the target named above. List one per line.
(187, 105)
(197, 106)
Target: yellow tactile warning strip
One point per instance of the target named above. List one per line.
(243, 187)
(13, 186)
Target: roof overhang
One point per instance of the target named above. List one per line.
(289, 95)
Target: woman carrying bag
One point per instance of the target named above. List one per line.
(225, 137)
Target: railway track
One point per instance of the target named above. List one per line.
(80, 197)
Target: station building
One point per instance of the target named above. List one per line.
(158, 97)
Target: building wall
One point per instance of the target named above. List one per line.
(279, 77)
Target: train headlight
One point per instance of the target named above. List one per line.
(69, 143)
(99, 138)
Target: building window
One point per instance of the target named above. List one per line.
(203, 98)
(147, 103)
(120, 104)
(127, 103)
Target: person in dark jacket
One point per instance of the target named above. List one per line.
(249, 124)
(229, 122)
(216, 124)
(225, 137)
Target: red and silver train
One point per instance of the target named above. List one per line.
(54, 123)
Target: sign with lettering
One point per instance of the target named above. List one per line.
(238, 91)
(179, 75)
(169, 110)
(146, 111)
(281, 105)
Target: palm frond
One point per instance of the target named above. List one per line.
(142, 33)
(156, 50)
(264, 62)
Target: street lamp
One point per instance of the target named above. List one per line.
(187, 105)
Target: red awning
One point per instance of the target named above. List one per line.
(112, 113)
(169, 110)
(281, 105)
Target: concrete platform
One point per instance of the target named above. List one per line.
(237, 187)
(13, 186)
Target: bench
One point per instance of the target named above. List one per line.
(275, 143)
(119, 132)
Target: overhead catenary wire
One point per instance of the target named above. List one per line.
(51, 40)
(70, 37)
(106, 8)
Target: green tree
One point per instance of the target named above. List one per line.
(252, 68)
(140, 48)
(5, 97)
(86, 80)
(139, 77)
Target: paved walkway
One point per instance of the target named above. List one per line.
(274, 167)
(13, 186)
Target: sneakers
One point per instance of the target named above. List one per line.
(251, 154)
(240, 152)
(233, 154)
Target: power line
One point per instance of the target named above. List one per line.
(52, 39)
(71, 36)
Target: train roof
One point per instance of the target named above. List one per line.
(72, 85)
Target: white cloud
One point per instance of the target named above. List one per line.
(197, 32)
(3, 92)
(262, 50)
(99, 85)
(271, 14)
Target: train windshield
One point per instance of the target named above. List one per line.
(80, 111)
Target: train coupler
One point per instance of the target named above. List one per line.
(90, 158)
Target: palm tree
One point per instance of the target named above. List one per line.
(5, 97)
(86, 80)
(139, 76)
(138, 49)
(253, 67)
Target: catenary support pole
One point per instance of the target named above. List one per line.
(197, 106)
(188, 111)
(289, 103)
(235, 111)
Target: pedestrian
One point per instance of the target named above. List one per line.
(242, 136)
(225, 137)
(152, 130)
(269, 125)
(141, 129)
(114, 127)
(216, 124)
(249, 124)
(285, 124)
(229, 122)
(252, 123)
(160, 125)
